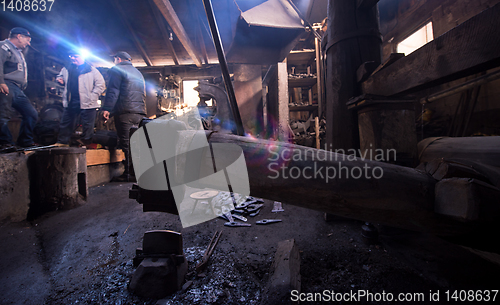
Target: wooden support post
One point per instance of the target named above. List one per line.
(319, 75)
(309, 91)
(316, 130)
(353, 38)
(284, 275)
(283, 112)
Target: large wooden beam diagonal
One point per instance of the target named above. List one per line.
(202, 41)
(168, 12)
(197, 23)
(471, 47)
(164, 32)
(135, 39)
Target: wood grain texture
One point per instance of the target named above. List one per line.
(104, 156)
(403, 197)
(468, 48)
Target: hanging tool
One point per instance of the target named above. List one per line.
(267, 221)
(211, 246)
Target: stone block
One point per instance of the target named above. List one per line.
(14, 187)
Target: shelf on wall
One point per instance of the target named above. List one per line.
(303, 108)
(302, 82)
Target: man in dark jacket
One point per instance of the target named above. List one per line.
(13, 80)
(126, 101)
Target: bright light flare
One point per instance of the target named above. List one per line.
(84, 53)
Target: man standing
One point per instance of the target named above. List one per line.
(126, 100)
(83, 84)
(13, 80)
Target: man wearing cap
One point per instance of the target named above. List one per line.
(83, 84)
(13, 80)
(126, 101)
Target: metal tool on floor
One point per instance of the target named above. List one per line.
(254, 208)
(267, 221)
(210, 249)
(277, 207)
(237, 224)
(255, 213)
(234, 216)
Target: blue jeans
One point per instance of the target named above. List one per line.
(20, 102)
(69, 120)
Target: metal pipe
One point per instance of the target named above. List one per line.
(462, 87)
(223, 66)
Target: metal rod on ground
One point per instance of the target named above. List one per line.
(223, 66)
(210, 249)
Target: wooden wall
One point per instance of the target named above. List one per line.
(400, 18)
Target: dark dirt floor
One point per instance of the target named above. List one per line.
(84, 256)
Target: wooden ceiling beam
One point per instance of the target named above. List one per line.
(135, 39)
(199, 34)
(166, 36)
(168, 12)
(202, 42)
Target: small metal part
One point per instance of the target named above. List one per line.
(239, 217)
(229, 217)
(255, 213)
(369, 233)
(237, 224)
(267, 221)
(277, 207)
(244, 204)
(254, 208)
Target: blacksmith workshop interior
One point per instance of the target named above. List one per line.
(291, 151)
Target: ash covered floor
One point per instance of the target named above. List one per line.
(84, 256)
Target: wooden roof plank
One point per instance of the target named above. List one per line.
(168, 12)
(164, 33)
(135, 39)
